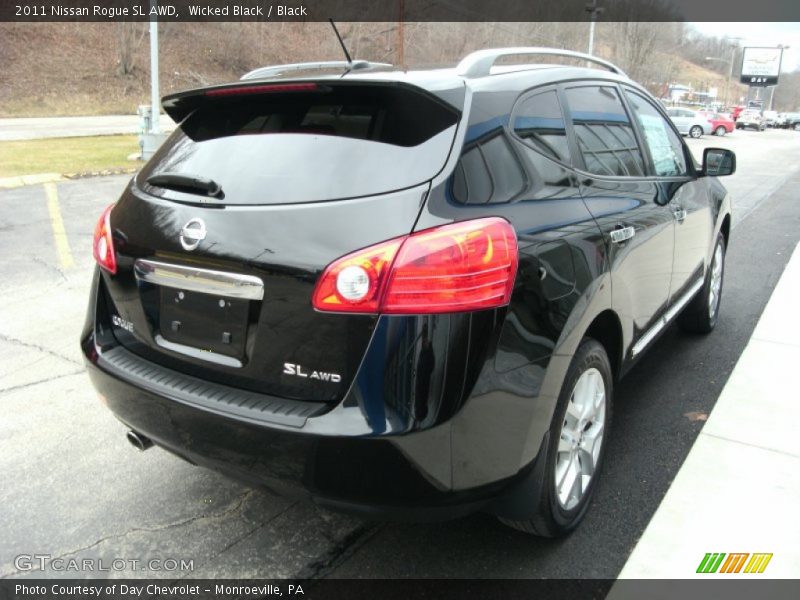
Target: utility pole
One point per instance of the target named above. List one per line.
(150, 136)
(401, 38)
(155, 104)
(593, 11)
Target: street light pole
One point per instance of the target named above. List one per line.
(734, 48)
(730, 76)
(780, 64)
(593, 11)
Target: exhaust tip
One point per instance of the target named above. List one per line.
(139, 441)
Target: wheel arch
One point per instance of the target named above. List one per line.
(606, 328)
(725, 228)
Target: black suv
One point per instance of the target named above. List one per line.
(407, 294)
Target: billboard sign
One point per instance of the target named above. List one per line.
(761, 66)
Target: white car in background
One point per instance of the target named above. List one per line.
(751, 117)
(689, 122)
(772, 119)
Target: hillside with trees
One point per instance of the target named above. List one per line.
(103, 68)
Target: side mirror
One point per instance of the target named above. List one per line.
(718, 162)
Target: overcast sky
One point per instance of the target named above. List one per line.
(761, 34)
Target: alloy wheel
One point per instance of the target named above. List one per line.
(580, 439)
(715, 289)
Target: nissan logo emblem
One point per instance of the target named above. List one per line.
(192, 234)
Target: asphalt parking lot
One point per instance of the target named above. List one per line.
(73, 487)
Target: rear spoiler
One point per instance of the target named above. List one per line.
(181, 104)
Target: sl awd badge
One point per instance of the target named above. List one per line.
(300, 371)
(122, 323)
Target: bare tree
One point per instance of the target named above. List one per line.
(787, 94)
(633, 44)
(129, 38)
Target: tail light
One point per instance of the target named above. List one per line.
(103, 245)
(463, 266)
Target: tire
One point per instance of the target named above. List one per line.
(701, 314)
(720, 131)
(556, 511)
(696, 131)
(796, 126)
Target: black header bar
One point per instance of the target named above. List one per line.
(394, 10)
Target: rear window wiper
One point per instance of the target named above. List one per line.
(186, 183)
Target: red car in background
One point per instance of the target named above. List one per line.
(720, 123)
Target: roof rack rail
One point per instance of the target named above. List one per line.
(271, 71)
(479, 64)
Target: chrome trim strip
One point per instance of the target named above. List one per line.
(195, 279)
(220, 359)
(648, 336)
(666, 318)
(684, 300)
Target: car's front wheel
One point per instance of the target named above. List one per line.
(696, 131)
(577, 441)
(700, 316)
(720, 131)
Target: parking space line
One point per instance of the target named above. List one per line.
(57, 224)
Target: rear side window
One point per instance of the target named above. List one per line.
(338, 141)
(539, 122)
(665, 146)
(604, 132)
(488, 172)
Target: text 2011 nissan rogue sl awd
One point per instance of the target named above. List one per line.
(407, 294)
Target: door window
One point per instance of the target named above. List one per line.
(604, 132)
(539, 122)
(665, 146)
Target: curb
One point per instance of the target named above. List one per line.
(736, 491)
(20, 180)
(104, 172)
(40, 178)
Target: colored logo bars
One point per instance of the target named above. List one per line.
(718, 563)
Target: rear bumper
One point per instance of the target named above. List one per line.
(372, 476)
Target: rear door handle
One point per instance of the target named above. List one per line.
(622, 234)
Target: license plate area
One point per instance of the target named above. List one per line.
(210, 323)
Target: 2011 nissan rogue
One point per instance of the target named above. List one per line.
(406, 294)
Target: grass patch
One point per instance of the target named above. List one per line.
(67, 155)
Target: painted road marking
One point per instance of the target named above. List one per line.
(57, 223)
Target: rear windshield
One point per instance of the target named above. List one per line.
(332, 143)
